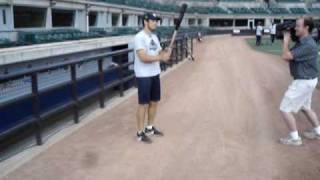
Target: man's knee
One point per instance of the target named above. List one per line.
(283, 112)
(153, 104)
(286, 112)
(284, 109)
(143, 106)
(306, 110)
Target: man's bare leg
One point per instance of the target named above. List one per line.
(152, 111)
(293, 138)
(141, 114)
(313, 119)
(290, 121)
(311, 116)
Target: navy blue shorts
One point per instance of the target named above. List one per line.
(149, 89)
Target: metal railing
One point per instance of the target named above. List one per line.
(38, 116)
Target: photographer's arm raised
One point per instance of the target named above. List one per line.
(286, 54)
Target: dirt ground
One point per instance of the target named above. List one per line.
(220, 118)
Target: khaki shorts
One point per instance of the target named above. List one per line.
(298, 95)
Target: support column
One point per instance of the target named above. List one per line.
(81, 20)
(109, 19)
(131, 20)
(120, 20)
(199, 22)
(137, 20)
(185, 22)
(172, 21)
(163, 21)
(251, 25)
(102, 20)
(166, 21)
(87, 21)
(6, 23)
(268, 22)
(205, 22)
(49, 18)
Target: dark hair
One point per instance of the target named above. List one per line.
(308, 21)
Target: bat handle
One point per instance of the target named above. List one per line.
(173, 39)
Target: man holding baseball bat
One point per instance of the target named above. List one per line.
(148, 54)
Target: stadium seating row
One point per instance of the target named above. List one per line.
(236, 0)
(38, 37)
(298, 10)
(4, 42)
(201, 0)
(116, 31)
(207, 10)
(279, 10)
(144, 4)
(289, 1)
(256, 10)
(259, 10)
(314, 10)
(240, 10)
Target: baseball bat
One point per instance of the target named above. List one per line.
(183, 10)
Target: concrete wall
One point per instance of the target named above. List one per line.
(27, 53)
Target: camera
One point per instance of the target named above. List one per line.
(288, 26)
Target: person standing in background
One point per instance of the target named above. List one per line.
(259, 30)
(273, 30)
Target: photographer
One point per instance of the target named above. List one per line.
(302, 60)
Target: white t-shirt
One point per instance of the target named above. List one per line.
(150, 43)
(273, 29)
(259, 30)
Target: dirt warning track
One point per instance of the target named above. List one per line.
(220, 118)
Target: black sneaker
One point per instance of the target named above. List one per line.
(143, 138)
(153, 131)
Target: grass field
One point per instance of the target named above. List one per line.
(275, 48)
(266, 46)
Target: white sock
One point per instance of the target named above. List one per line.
(294, 135)
(317, 130)
(149, 127)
